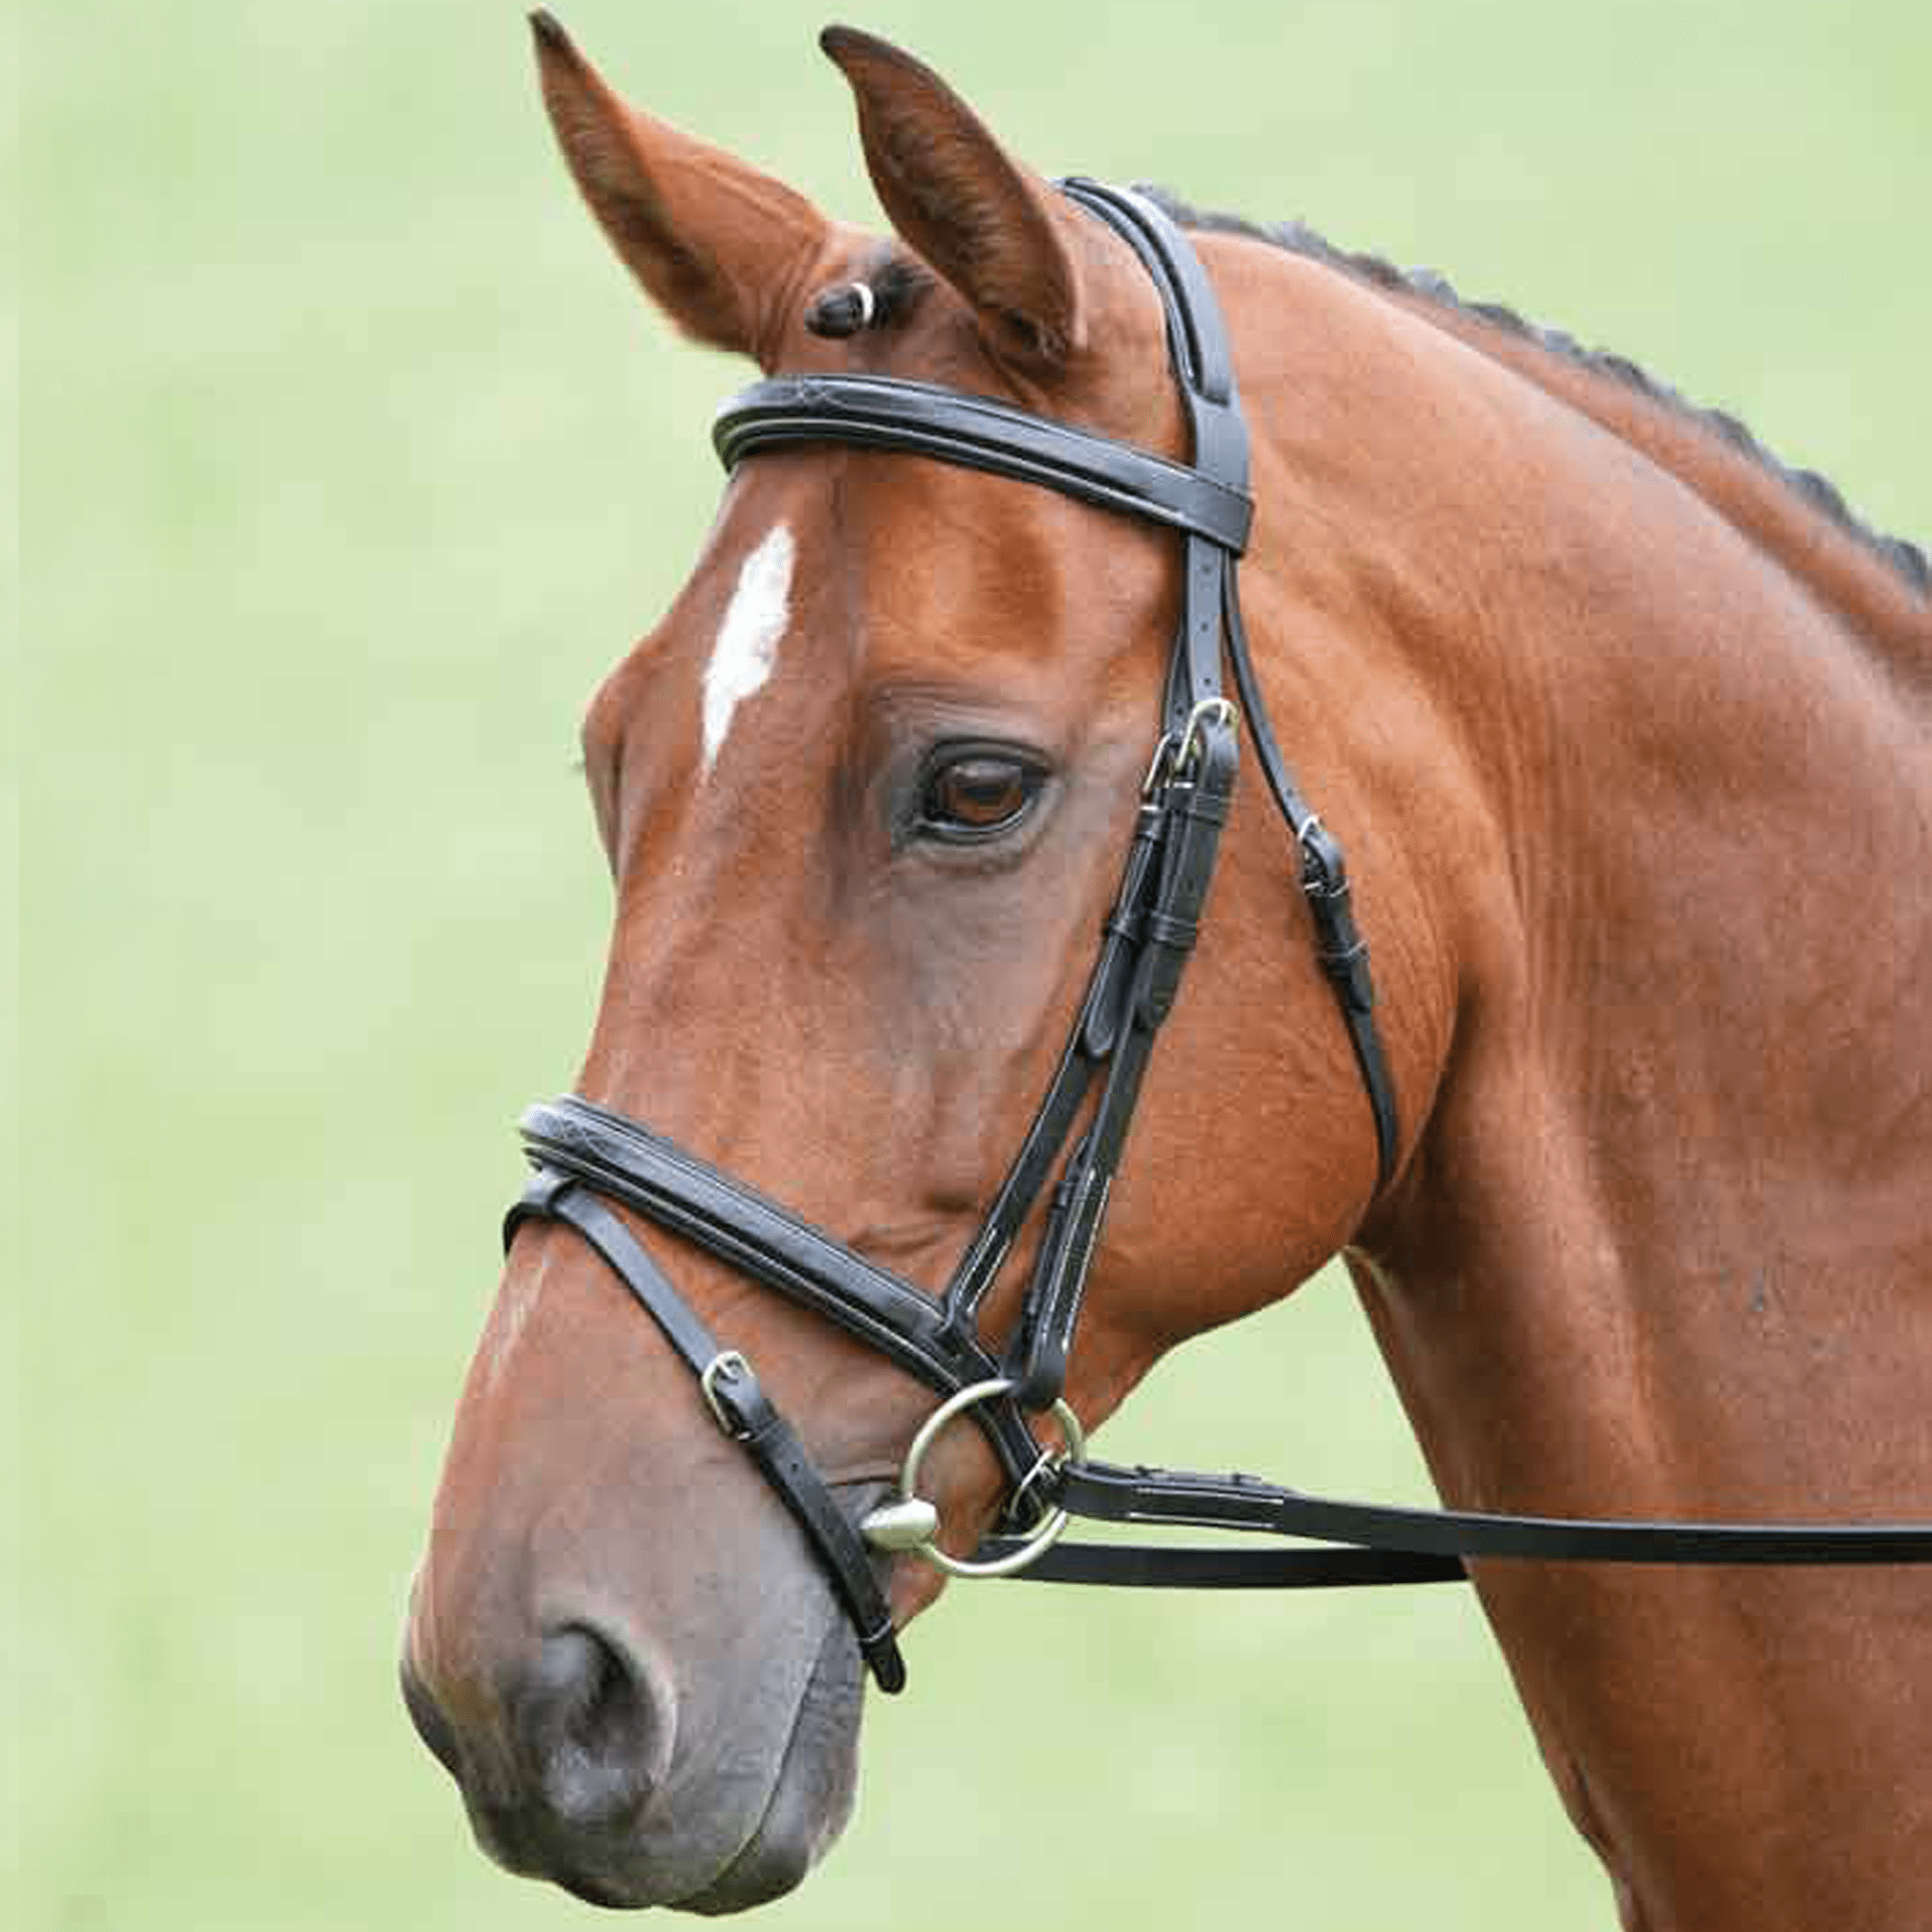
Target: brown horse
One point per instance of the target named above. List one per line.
(1627, 733)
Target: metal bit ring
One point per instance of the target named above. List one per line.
(910, 1524)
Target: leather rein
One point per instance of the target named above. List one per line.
(585, 1156)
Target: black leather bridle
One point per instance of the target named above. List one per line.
(585, 1156)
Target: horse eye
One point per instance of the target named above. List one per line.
(979, 795)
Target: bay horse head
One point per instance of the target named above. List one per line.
(873, 792)
(864, 791)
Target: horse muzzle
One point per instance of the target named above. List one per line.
(577, 1763)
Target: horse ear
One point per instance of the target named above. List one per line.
(989, 224)
(719, 248)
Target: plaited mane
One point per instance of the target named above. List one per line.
(1908, 560)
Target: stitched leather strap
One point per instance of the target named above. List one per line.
(1144, 1566)
(1194, 808)
(977, 433)
(621, 1159)
(742, 1407)
(1088, 1047)
(1104, 1491)
(1339, 948)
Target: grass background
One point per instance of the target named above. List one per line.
(351, 460)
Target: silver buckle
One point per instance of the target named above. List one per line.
(1171, 754)
(1220, 710)
(726, 1362)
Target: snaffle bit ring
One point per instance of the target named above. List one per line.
(910, 1524)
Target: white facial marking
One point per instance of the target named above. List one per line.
(748, 638)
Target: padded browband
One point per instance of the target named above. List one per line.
(922, 419)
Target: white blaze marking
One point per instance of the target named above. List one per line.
(748, 638)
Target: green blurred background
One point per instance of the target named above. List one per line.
(351, 460)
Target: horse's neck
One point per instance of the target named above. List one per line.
(1868, 591)
(1664, 1247)
(1684, 1134)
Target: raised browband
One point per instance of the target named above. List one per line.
(922, 419)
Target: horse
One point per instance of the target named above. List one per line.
(1626, 730)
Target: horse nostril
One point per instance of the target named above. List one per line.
(593, 1730)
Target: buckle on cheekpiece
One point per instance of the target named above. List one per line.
(727, 1365)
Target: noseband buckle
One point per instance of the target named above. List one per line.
(729, 1365)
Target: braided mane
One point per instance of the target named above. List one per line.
(1907, 558)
